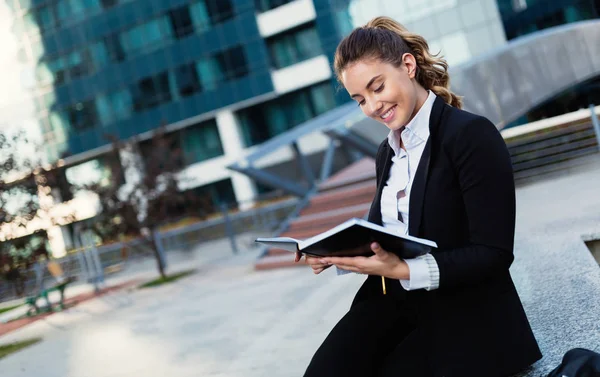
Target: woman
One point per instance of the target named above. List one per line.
(442, 174)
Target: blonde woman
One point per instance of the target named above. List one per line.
(442, 174)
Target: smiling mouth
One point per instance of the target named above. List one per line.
(389, 113)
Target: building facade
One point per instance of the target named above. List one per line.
(224, 75)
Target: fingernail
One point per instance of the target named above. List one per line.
(323, 261)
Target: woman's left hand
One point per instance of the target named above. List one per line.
(383, 263)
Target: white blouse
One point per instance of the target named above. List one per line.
(395, 197)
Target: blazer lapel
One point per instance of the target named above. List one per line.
(375, 211)
(417, 192)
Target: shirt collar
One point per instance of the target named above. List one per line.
(417, 128)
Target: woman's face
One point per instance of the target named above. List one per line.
(388, 94)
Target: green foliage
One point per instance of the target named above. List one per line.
(7, 349)
(168, 279)
(9, 308)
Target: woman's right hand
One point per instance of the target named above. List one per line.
(313, 262)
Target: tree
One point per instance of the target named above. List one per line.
(150, 196)
(25, 187)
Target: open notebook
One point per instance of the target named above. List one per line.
(353, 238)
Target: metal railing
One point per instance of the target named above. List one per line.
(114, 258)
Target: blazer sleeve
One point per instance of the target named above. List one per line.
(485, 175)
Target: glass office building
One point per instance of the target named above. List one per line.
(223, 75)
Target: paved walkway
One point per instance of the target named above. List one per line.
(229, 321)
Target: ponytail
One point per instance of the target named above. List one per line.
(385, 39)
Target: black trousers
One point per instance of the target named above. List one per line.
(378, 337)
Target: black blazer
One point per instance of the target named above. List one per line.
(463, 198)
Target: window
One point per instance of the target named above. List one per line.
(294, 46)
(200, 142)
(147, 36)
(200, 16)
(114, 48)
(109, 3)
(114, 106)
(151, 92)
(181, 21)
(187, 79)
(82, 115)
(265, 5)
(261, 122)
(79, 64)
(99, 55)
(206, 13)
(45, 18)
(226, 65)
(233, 62)
(220, 10)
(211, 73)
(72, 10)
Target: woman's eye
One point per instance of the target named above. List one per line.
(379, 89)
(360, 103)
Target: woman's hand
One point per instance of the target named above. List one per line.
(314, 262)
(383, 263)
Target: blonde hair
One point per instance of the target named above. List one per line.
(385, 39)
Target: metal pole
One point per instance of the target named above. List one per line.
(596, 123)
(229, 228)
(160, 248)
(328, 160)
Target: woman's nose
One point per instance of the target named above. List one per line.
(375, 108)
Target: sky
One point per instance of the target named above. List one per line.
(17, 109)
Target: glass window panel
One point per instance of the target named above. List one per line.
(57, 67)
(187, 79)
(151, 91)
(109, 3)
(104, 107)
(265, 5)
(322, 98)
(63, 10)
(121, 104)
(211, 73)
(45, 18)
(82, 115)
(219, 10)
(233, 62)
(294, 47)
(181, 21)
(200, 142)
(100, 56)
(200, 16)
(277, 121)
(146, 36)
(115, 48)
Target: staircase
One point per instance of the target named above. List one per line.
(345, 195)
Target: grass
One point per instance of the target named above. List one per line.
(168, 279)
(7, 349)
(9, 308)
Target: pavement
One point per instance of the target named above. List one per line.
(228, 320)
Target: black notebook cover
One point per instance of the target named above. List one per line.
(354, 238)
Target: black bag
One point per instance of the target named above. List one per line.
(578, 362)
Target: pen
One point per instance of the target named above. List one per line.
(383, 284)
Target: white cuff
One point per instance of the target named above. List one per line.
(424, 273)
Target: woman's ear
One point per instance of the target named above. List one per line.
(410, 64)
